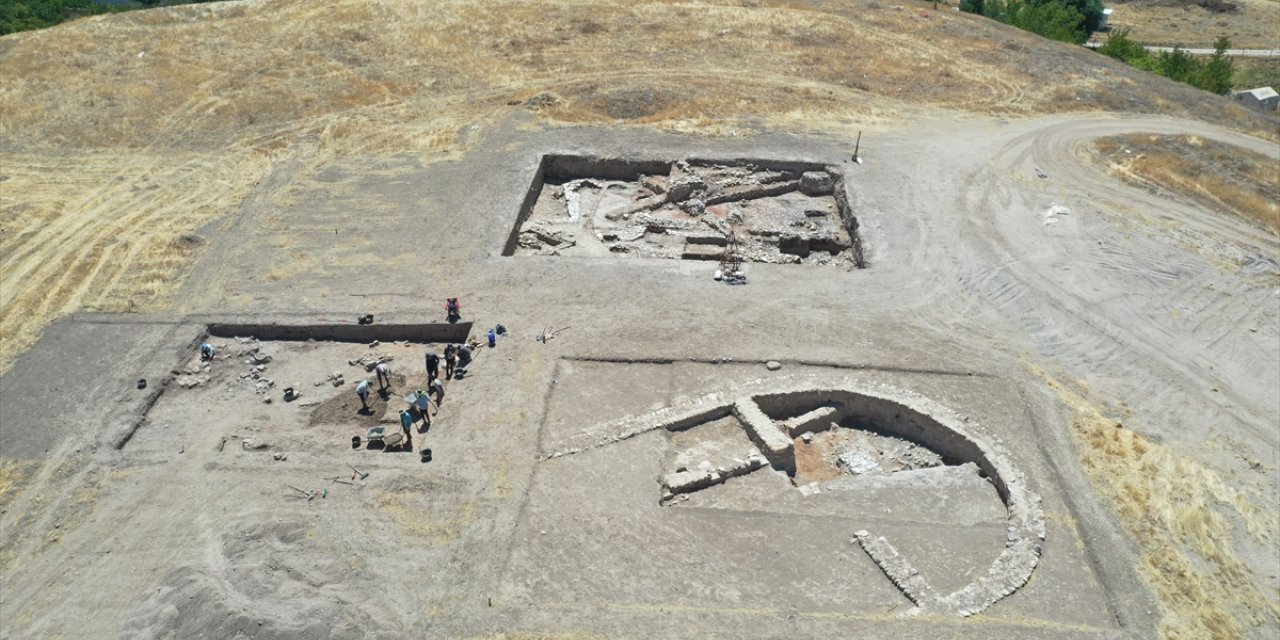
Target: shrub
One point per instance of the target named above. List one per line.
(1214, 74)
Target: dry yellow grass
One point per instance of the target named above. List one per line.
(15, 475)
(100, 231)
(1217, 175)
(124, 134)
(1251, 73)
(1251, 26)
(1181, 514)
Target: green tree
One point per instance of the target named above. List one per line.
(1090, 10)
(1216, 74)
(1121, 47)
(24, 15)
(1053, 20)
(1176, 65)
(1049, 18)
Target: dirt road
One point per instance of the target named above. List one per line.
(1230, 53)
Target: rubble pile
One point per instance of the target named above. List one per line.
(249, 350)
(864, 453)
(368, 361)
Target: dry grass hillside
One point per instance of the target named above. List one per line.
(1251, 24)
(1187, 551)
(1217, 175)
(123, 135)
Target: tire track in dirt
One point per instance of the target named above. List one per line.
(1089, 332)
(81, 256)
(1144, 300)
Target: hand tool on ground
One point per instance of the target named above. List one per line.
(547, 335)
(309, 495)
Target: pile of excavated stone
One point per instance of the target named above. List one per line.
(251, 351)
(860, 452)
(370, 360)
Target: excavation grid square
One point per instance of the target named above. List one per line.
(781, 212)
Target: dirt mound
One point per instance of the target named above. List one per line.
(262, 587)
(345, 408)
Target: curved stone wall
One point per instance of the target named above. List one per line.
(761, 404)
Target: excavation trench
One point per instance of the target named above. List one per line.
(901, 432)
(728, 210)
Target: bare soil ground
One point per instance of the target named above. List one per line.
(1216, 175)
(1123, 300)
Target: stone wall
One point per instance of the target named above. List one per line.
(896, 412)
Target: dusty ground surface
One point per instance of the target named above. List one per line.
(1049, 327)
(1122, 345)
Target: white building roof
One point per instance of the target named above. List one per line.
(1262, 93)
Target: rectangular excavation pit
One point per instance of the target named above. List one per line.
(779, 211)
(256, 362)
(191, 375)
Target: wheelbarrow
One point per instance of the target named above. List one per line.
(380, 434)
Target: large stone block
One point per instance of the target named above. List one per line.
(819, 419)
(685, 187)
(776, 445)
(688, 481)
(702, 252)
(817, 183)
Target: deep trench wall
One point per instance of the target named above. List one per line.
(898, 420)
(889, 418)
(526, 207)
(850, 220)
(561, 167)
(430, 332)
(786, 405)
